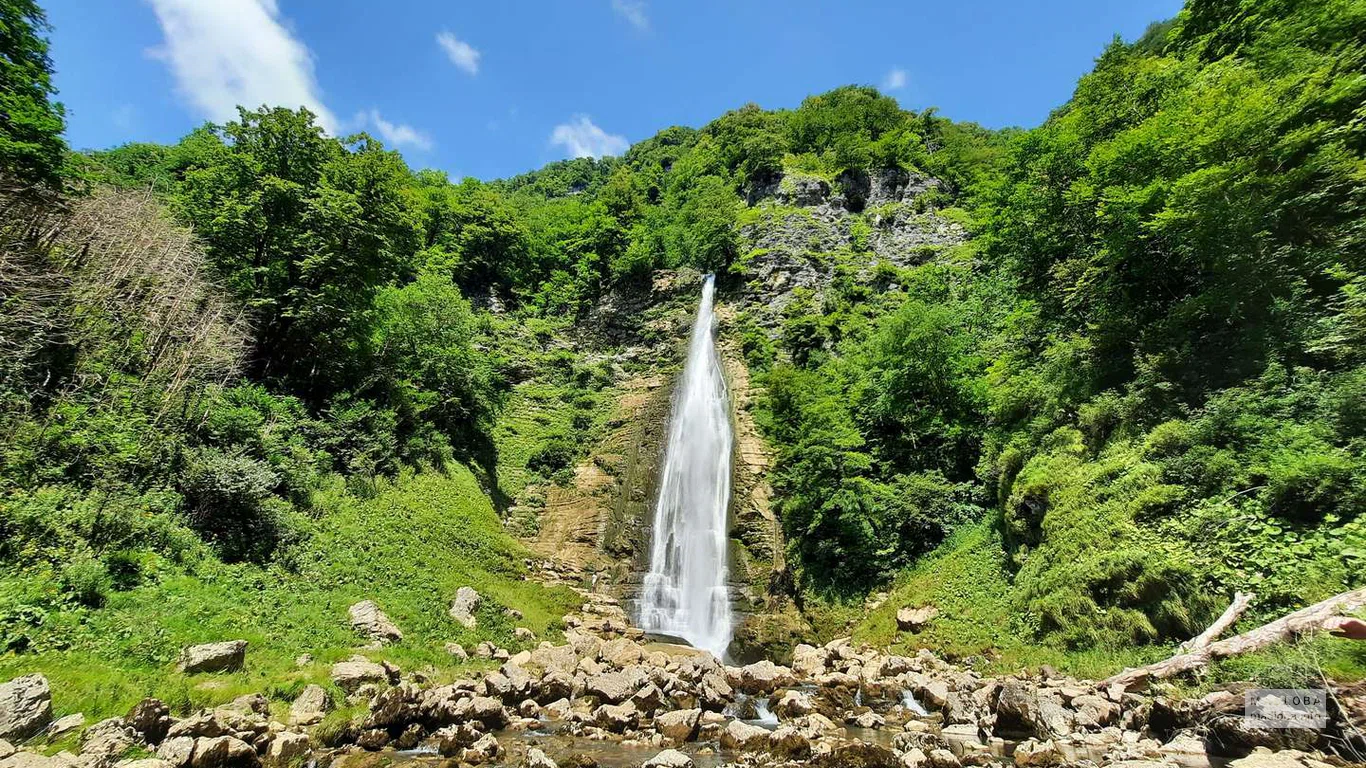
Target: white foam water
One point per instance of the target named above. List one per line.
(685, 593)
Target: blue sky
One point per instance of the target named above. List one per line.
(494, 88)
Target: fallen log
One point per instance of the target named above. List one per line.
(1305, 620)
(1241, 601)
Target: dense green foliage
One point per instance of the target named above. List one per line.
(1147, 368)
(1139, 385)
(31, 123)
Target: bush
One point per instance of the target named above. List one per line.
(552, 457)
(86, 580)
(230, 501)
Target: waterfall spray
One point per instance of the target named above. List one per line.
(685, 593)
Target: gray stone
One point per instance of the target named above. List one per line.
(371, 622)
(743, 736)
(679, 725)
(669, 758)
(915, 619)
(465, 606)
(287, 746)
(311, 706)
(226, 656)
(25, 707)
(358, 671)
(535, 758)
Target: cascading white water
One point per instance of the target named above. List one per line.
(685, 592)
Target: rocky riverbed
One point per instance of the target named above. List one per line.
(606, 696)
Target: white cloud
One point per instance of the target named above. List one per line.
(634, 12)
(461, 53)
(395, 135)
(581, 138)
(223, 53)
(895, 80)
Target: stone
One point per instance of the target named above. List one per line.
(104, 741)
(743, 736)
(177, 750)
(485, 749)
(615, 687)
(535, 758)
(223, 752)
(311, 706)
(63, 725)
(465, 606)
(870, 720)
(789, 743)
(857, 754)
(26, 759)
(6, 749)
(226, 656)
(794, 704)
(486, 710)
(350, 675)
(669, 758)
(373, 739)
(457, 651)
(151, 718)
(1022, 708)
(524, 634)
(961, 738)
(935, 694)
(1261, 757)
(25, 707)
(915, 619)
(372, 623)
(679, 725)
(809, 661)
(622, 652)
(287, 746)
(1187, 750)
(1032, 753)
(146, 762)
(764, 677)
(616, 718)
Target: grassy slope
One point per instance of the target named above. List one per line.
(966, 580)
(409, 547)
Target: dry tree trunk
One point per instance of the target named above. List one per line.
(1241, 601)
(1300, 622)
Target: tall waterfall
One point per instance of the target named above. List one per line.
(685, 592)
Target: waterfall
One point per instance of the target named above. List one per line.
(685, 592)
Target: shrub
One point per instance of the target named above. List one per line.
(86, 581)
(229, 501)
(552, 457)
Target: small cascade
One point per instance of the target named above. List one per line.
(911, 704)
(685, 593)
(763, 715)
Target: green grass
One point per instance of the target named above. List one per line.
(409, 547)
(979, 616)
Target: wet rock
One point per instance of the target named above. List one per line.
(311, 706)
(743, 736)
(350, 675)
(789, 743)
(679, 725)
(485, 749)
(370, 622)
(915, 619)
(535, 758)
(226, 656)
(857, 754)
(669, 758)
(151, 718)
(465, 606)
(25, 707)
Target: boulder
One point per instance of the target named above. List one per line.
(145, 762)
(64, 725)
(615, 687)
(485, 749)
(26, 759)
(465, 606)
(177, 750)
(6, 749)
(486, 710)
(350, 675)
(226, 656)
(743, 736)
(457, 651)
(1022, 708)
(794, 704)
(151, 718)
(809, 661)
(535, 758)
(679, 725)
(223, 752)
(1187, 750)
(617, 718)
(622, 652)
(287, 747)
(524, 634)
(789, 743)
(857, 754)
(103, 742)
(25, 707)
(1032, 753)
(370, 622)
(764, 677)
(669, 758)
(915, 619)
(311, 706)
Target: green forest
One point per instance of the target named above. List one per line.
(1137, 387)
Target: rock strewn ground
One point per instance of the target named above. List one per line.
(836, 705)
